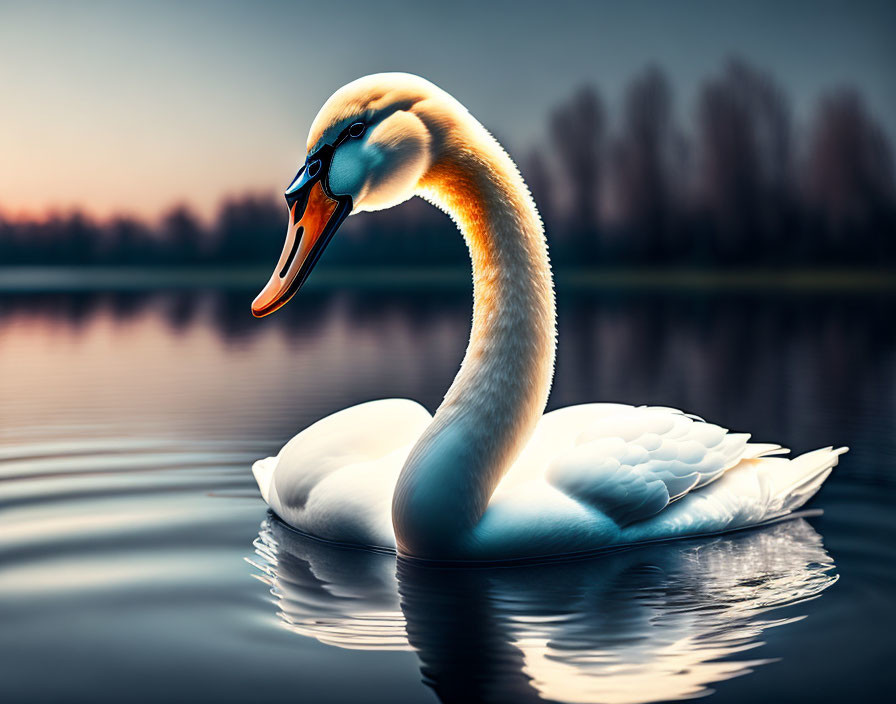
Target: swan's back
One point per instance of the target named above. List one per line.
(600, 475)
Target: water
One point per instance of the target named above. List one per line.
(138, 562)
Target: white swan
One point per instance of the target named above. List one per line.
(489, 477)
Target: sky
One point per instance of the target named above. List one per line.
(118, 107)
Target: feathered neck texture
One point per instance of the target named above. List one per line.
(500, 392)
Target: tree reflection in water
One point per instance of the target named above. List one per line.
(659, 622)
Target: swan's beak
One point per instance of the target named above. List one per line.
(314, 217)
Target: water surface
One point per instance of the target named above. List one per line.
(138, 562)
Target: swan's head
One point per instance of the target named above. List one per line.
(368, 148)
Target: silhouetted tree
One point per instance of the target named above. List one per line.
(643, 160)
(76, 238)
(182, 235)
(577, 132)
(250, 228)
(537, 174)
(129, 241)
(849, 180)
(744, 142)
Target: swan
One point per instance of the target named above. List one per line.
(489, 476)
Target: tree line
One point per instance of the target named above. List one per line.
(742, 186)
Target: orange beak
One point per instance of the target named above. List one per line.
(314, 218)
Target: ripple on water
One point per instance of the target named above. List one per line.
(128, 510)
(92, 520)
(91, 514)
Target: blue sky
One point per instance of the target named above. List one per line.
(134, 106)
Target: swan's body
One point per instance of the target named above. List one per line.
(488, 477)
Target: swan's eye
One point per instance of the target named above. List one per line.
(356, 130)
(313, 168)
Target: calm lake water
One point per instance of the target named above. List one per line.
(139, 563)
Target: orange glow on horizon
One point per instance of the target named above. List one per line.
(205, 212)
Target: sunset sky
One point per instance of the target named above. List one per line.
(133, 107)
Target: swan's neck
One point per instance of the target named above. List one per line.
(501, 390)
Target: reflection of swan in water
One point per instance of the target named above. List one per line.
(658, 622)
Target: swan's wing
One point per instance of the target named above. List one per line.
(631, 462)
(755, 491)
(335, 478)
